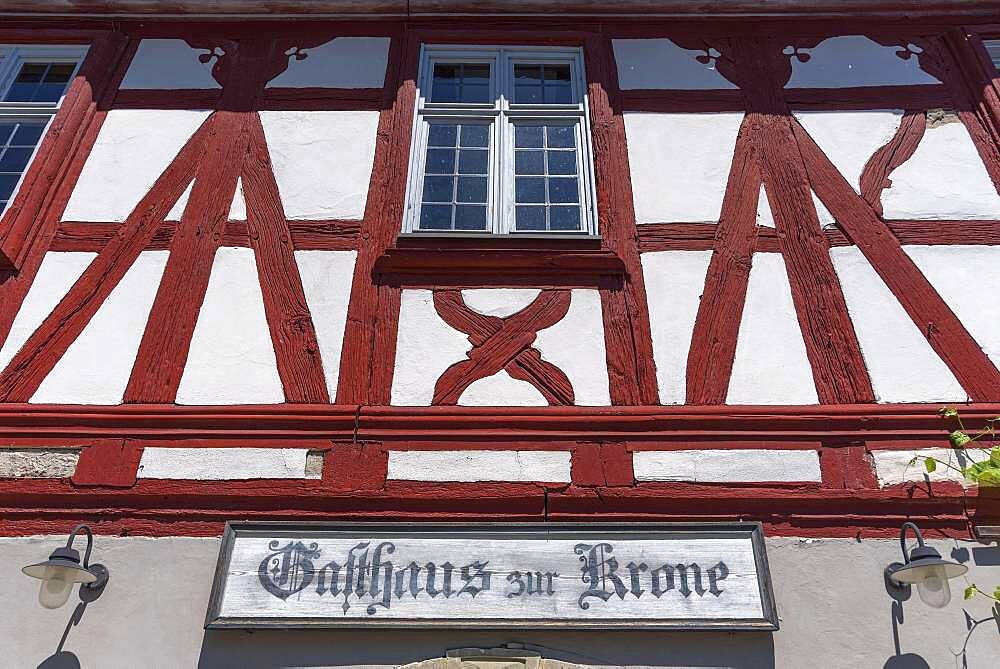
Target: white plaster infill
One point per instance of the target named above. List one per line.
(343, 62)
(680, 164)
(674, 284)
(659, 63)
(225, 464)
(721, 465)
(473, 466)
(893, 466)
(37, 463)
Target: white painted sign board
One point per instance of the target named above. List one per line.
(591, 576)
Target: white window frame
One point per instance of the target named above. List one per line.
(502, 114)
(12, 57)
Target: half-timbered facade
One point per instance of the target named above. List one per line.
(495, 264)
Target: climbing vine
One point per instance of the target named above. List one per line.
(976, 458)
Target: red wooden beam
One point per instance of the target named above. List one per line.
(369, 349)
(289, 321)
(628, 338)
(943, 330)
(832, 347)
(717, 325)
(159, 364)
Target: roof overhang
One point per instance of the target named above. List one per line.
(272, 9)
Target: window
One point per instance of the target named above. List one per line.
(993, 50)
(501, 143)
(33, 81)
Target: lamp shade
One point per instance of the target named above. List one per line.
(58, 575)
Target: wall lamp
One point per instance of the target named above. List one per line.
(925, 568)
(63, 569)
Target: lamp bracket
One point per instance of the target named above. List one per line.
(892, 582)
(91, 591)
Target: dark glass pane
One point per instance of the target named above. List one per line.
(475, 135)
(27, 134)
(558, 95)
(14, 160)
(48, 93)
(529, 189)
(477, 93)
(528, 95)
(528, 162)
(440, 161)
(470, 217)
(7, 184)
(473, 162)
(471, 189)
(442, 135)
(444, 92)
(20, 93)
(438, 189)
(528, 74)
(446, 72)
(556, 73)
(527, 136)
(59, 73)
(563, 190)
(3, 204)
(564, 218)
(476, 73)
(562, 162)
(435, 217)
(31, 73)
(529, 218)
(6, 130)
(561, 137)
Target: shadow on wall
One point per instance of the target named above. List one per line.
(225, 649)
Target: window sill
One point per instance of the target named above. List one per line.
(447, 261)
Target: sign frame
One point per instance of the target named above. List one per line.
(316, 529)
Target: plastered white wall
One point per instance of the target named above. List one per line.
(96, 367)
(849, 138)
(168, 64)
(132, 150)
(501, 389)
(326, 281)
(680, 164)
(902, 365)
(674, 284)
(499, 302)
(231, 359)
(945, 178)
(425, 347)
(893, 466)
(322, 161)
(764, 216)
(719, 465)
(968, 279)
(770, 366)
(576, 346)
(659, 63)
(35, 463)
(547, 466)
(56, 275)
(853, 60)
(220, 464)
(344, 62)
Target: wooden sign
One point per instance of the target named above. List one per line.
(592, 576)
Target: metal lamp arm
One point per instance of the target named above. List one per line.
(82, 527)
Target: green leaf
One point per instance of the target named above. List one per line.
(970, 592)
(995, 456)
(959, 439)
(930, 464)
(913, 460)
(983, 473)
(948, 412)
(996, 593)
